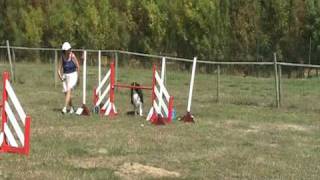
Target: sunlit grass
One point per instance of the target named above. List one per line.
(241, 137)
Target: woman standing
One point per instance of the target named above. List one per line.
(68, 72)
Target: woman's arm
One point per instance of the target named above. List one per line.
(76, 62)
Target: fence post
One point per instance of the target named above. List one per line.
(280, 87)
(9, 56)
(99, 71)
(276, 80)
(84, 77)
(218, 82)
(116, 80)
(14, 64)
(55, 68)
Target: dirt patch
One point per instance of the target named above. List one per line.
(94, 162)
(280, 127)
(253, 129)
(292, 127)
(136, 171)
(43, 130)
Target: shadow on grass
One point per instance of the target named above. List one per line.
(56, 110)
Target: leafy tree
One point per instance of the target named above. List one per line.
(210, 29)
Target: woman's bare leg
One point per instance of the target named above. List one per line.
(70, 101)
(68, 98)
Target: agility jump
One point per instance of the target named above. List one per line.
(162, 102)
(105, 93)
(15, 134)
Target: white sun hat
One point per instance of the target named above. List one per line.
(66, 46)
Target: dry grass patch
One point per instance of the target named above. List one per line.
(94, 162)
(136, 171)
(293, 127)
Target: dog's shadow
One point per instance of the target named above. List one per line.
(130, 113)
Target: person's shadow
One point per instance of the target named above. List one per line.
(56, 109)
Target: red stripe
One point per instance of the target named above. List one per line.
(5, 77)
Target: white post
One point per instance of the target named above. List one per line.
(56, 68)
(9, 56)
(192, 83)
(163, 66)
(84, 77)
(99, 71)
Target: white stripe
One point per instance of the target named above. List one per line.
(150, 114)
(15, 102)
(162, 104)
(114, 108)
(164, 107)
(108, 109)
(10, 137)
(103, 82)
(158, 77)
(1, 138)
(14, 123)
(161, 89)
(106, 104)
(165, 92)
(103, 95)
(156, 91)
(156, 108)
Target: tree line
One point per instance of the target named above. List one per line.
(230, 30)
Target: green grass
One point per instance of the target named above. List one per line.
(241, 137)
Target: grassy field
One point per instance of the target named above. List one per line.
(241, 137)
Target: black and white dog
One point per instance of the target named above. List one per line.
(137, 99)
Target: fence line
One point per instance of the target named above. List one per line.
(298, 65)
(168, 57)
(277, 65)
(56, 49)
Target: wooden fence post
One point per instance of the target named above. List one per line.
(55, 68)
(9, 57)
(116, 66)
(14, 65)
(99, 71)
(280, 86)
(276, 80)
(218, 82)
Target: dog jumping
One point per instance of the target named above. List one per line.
(137, 99)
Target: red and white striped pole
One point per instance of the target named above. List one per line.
(7, 137)
(188, 117)
(27, 136)
(5, 78)
(170, 109)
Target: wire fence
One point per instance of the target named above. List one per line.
(271, 84)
